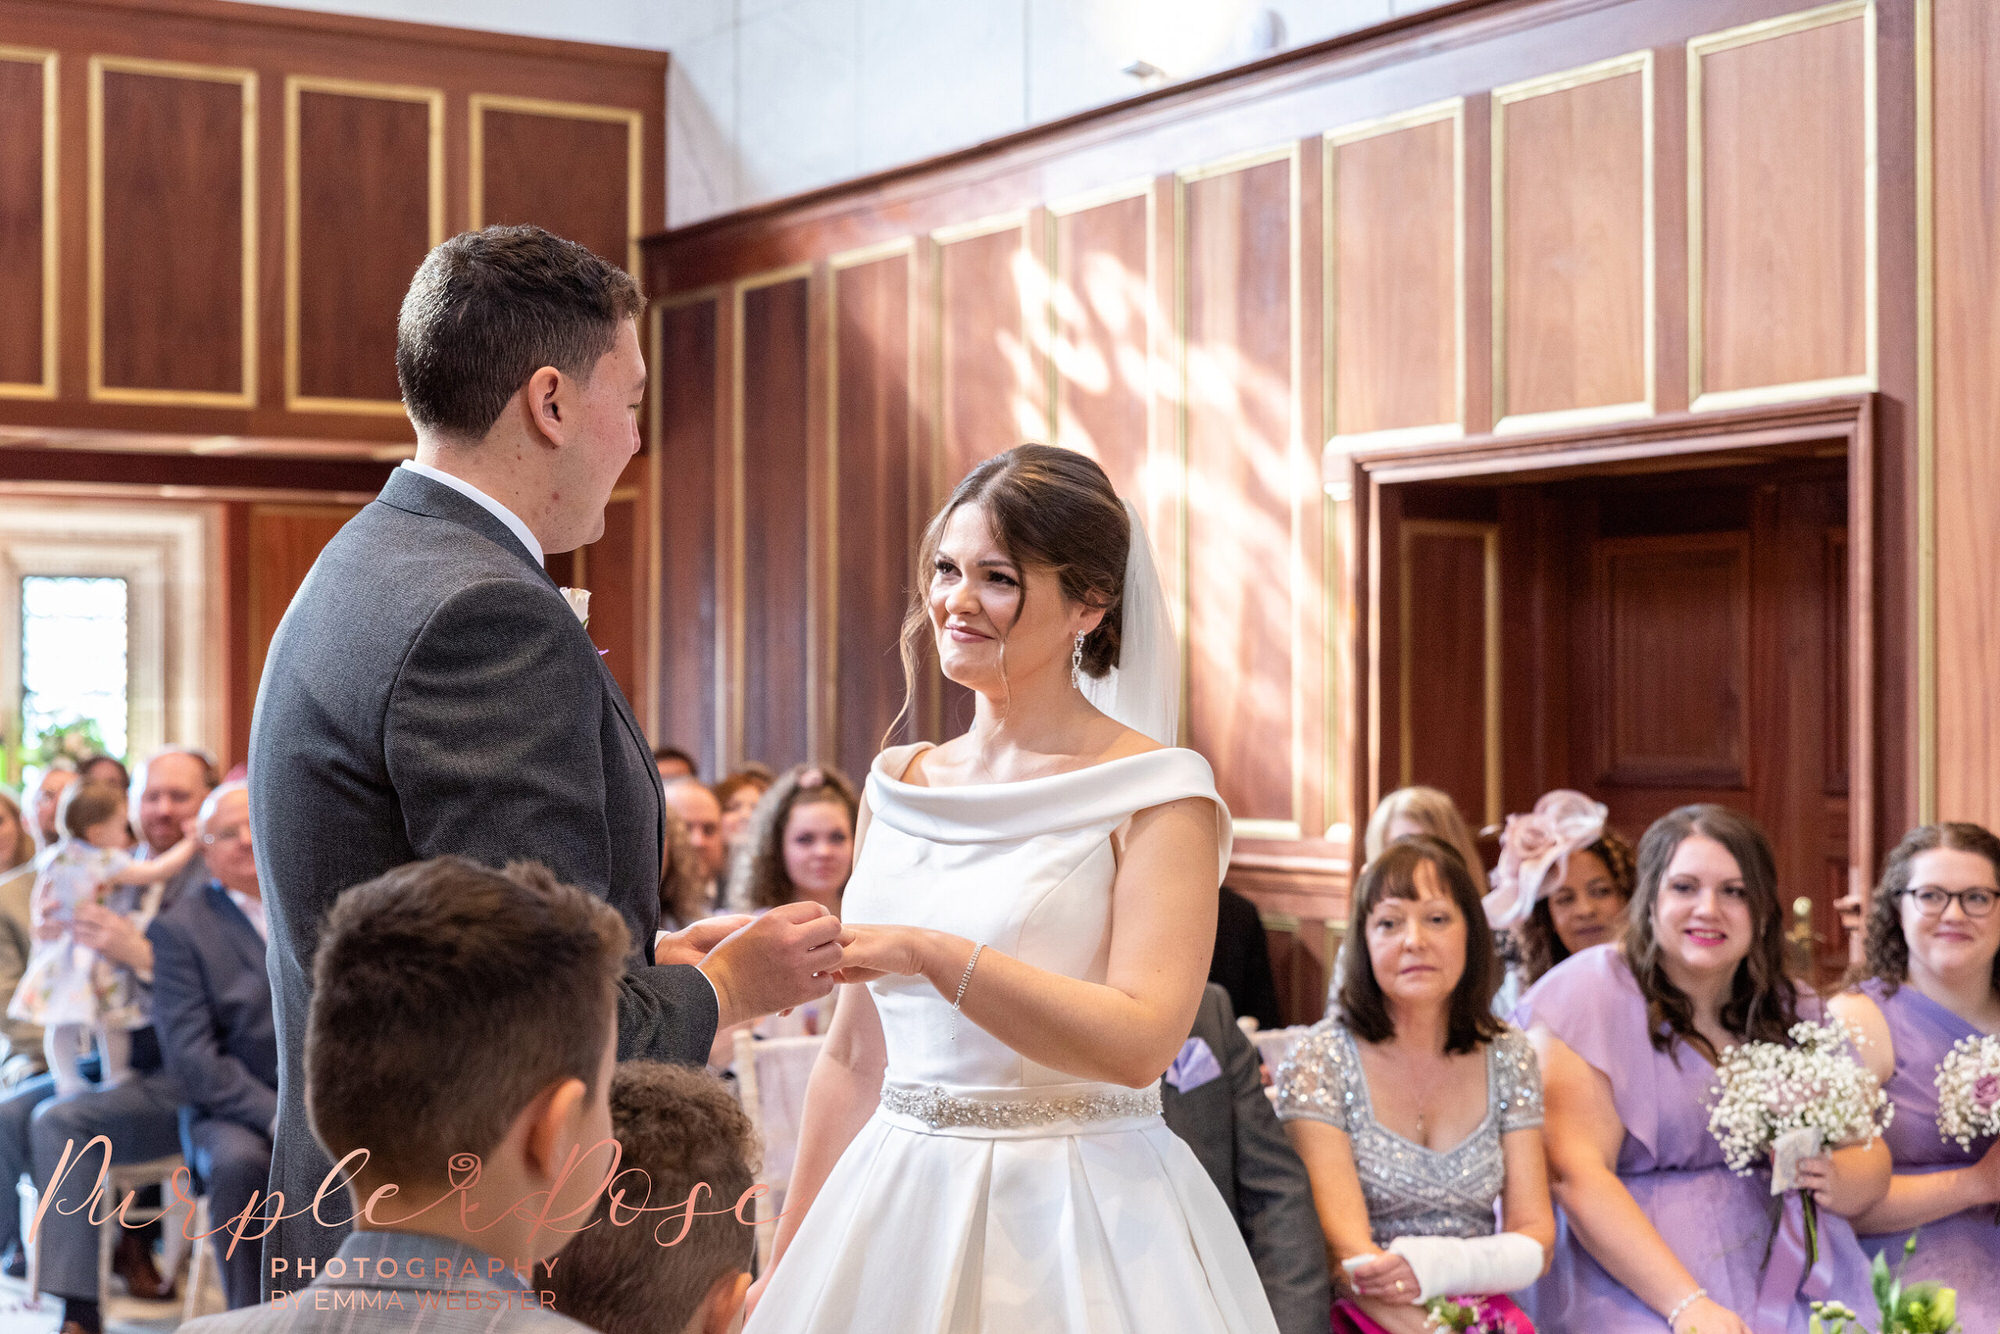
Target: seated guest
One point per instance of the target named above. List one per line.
(1407, 811)
(800, 848)
(673, 762)
(106, 769)
(1416, 1110)
(683, 887)
(167, 793)
(800, 844)
(457, 1011)
(212, 1010)
(739, 794)
(1241, 964)
(1213, 1098)
(48, 796)
(632, 1272)
(1932, 979)
(1561, 886)
(1657, 1226)
(21, 1058)
(702, 814)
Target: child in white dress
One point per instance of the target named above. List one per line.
(70, 989)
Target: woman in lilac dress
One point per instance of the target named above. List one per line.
(1656, 1227)
(1933, 977)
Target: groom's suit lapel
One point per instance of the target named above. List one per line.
(415, 493)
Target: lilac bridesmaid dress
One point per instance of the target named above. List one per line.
(1962, 1251)
(1718, 1223)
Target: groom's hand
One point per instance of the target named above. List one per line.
(782, 959)
(691, 945)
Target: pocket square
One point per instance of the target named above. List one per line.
(1195, 1066)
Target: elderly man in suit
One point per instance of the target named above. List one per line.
(212, 1010)
(1213, 1098)
(431, 691)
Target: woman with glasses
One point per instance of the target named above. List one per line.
(1932, 977)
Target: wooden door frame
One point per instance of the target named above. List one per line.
(1672, 442)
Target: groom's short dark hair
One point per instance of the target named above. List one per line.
(488, 309)
(446, 995)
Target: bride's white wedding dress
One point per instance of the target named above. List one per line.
(989, 1194)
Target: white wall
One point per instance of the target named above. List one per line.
(770, 97)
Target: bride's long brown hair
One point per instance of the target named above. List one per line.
(1046, 506)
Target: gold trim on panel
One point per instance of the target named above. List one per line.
(1701, 399)
(1110, 194)
(96, 389)
(1292, 829)
(655, 524)
(871, 254)
(1453, 110)
(1640, 63)
(1012, 220)
(1926, 555)
(295, 85)
(635, 154)
(51, 227)
(1489, 535)
(694, 296)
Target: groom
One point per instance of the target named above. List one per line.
(430, 690)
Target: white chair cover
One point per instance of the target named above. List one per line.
(771, 1076)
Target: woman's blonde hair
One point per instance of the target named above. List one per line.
(23, 850)
(1434, 813)
(758, 878)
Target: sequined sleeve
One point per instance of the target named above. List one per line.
(1317, 1081)
(1516, 1081)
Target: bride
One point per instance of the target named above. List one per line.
(1032, 912)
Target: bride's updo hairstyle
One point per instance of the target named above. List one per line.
(1046, 506)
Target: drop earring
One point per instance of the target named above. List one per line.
(1076, 662)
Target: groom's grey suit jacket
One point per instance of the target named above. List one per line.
(428, 692)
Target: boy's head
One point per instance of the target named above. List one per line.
(680, 1128)
(94, 813)
(462, 1010)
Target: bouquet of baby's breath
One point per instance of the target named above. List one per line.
(1968, 1089)
(1791, 1102)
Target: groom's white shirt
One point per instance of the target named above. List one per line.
(484, 501)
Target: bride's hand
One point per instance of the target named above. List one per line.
(869, 952)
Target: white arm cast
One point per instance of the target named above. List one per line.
(1471, 1266)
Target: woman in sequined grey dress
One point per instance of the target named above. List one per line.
(1416, 1110)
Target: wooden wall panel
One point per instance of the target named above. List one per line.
(173, 158)
(988, 398)
(1966, 199)
(364, 176)
(1394, 232)
(1675, 680)
(1449, 649)
(1238, 330)
(874, 521)
(772, 675)
(571, 168)
(1572, 252)
(283, 541)
(27, 223)
(1781, 206)
(613, 568)
(1101, 290)
(686, 433)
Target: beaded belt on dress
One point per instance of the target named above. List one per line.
(937, 1109)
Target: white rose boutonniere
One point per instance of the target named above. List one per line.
(579, 602)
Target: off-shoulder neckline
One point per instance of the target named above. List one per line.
(920, 747)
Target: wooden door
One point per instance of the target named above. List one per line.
(1707, 650)
(1652, 640)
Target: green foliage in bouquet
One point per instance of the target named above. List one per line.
(1920, 1308)
(75, 741)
